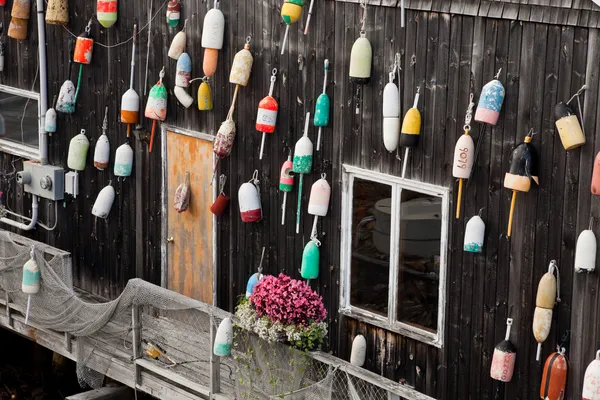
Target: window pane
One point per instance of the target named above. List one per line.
(419, 259)
(370, 246)
(19, 119)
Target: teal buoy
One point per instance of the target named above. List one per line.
(310, 260)
(322, 107)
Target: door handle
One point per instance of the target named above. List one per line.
(170, 239)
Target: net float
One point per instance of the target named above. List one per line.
(204, 97)
(213, 31)
(173, 13)
(183, 71)
(358, 354)
(123, 161)
(156, 107)
(318, 202)
(490, 101)
(223, 141)
(391, 111)
(554, 378)
(464, 156)
(84, 46)
(184, 98)
(310, 260)
(286, 183)
(503, 360)
(222, 201)
(104, 202)
(50, 119)
(266, 117)
(31, 280)
(569, 128)
(57, 12)
(591, 380)
(102, 149)
(181, 200)
(523, 169)
(178, 44)
(302, 164)
(585, 253)
(223, 339)
(547, 295)
(130, 102)
(106, 12)
(322, 107)
(291, 11)
(20, 13)
(241, 69)
(78, 149)
(411, 129)
(474, 234)
(249, 199)
(252, 281)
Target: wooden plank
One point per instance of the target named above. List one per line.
(105, 393)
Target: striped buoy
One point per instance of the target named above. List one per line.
(213, 31)
(554, 378)
(249, 199)
(107, 12)
(173, 13)
(102, 149)
(266, 118)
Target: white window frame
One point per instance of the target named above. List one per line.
(20, 149)
(390, 322)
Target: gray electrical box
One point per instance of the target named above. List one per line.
(46, 181)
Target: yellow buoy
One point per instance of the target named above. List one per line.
(204, 97)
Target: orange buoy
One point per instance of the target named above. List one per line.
(554, 379)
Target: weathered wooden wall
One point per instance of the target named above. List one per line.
(449, 56)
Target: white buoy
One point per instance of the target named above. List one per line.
(123, 160)
(359, 351)
(318, 202)
(249, 199)
(31, 280)
(178, 45)
(104, 202)
(78, 149)
(183, 97)
(213, 29)
(102, 150)
(585, 253)
(183, 71)
(391, 114)
(474, 235)
(50, 120)
(223, 339)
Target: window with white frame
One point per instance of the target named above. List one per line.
(393, 253)
(19, 122)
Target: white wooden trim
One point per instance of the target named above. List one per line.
(15, 148)
(164, 249)
(187, 132)
(391, 322)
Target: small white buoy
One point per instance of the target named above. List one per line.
(249, 199)
(474, 235)
(104, 202)
(31, 280)
(359, 351)
(591, 380)
(102, 150)
(224, 339)
(50, 121)
(183, 97)
(585, 253)
(177, 45)
(123, 160)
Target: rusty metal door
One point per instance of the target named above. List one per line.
(190, 234)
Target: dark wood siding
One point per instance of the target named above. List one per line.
(449, 56)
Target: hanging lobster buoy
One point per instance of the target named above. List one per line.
(303, 159)
(178, 44)
(184, 71)
(411, 130)
(50, 119)
(123, 160)
(31, 280)
(224, 339)
(291, 11)
(213, 31)
(204, 97)
(241, 67)
(310, 260)
(322, 107)
(569, 128)
(84, 47)
(505, 354)
(222, 201)
(130, 102)
(173, 13)
(104, 202)
(554, 378)
(156, 108)
(585, 253)
(78, 148)
(474, 235)
(523, 169)
(107, 12)
(266, 117)
(464, 156)
(181, 201)
(184, 98)
(254, 279)
(102, 150)
(591, 380)
(224, 140)
(21, 10)
(547, 296)
(249, 198)
(490, 102)
(358, 354)
(66, 98)
(391, 112)
(286, 183)
(360, 60)
(318, 202)
(57, 12)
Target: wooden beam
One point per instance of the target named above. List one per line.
(105, 393)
